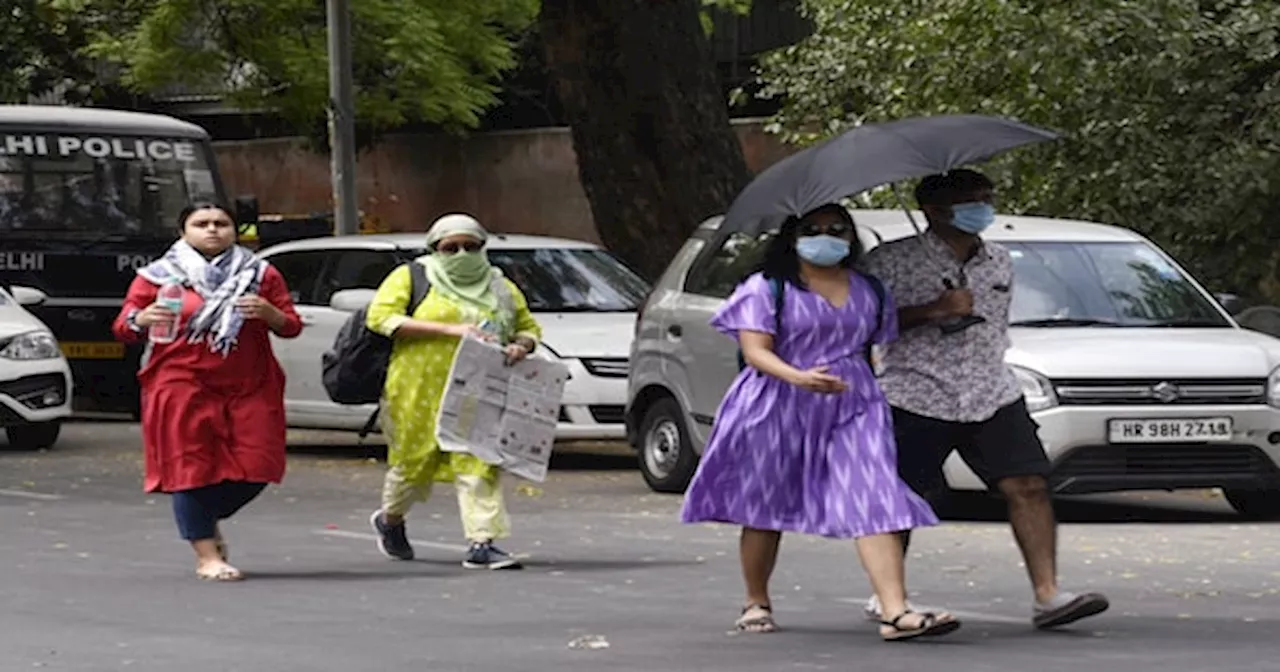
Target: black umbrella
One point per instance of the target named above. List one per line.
(869, 156)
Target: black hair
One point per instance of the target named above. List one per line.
(943, 188)
(780, 258)
(205, 205)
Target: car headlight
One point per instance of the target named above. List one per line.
(1036, 388)
(31, 345)
(1273, 388)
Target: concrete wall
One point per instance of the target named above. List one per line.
(514, 182)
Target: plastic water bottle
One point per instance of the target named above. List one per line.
(170, 296)
(489, 327)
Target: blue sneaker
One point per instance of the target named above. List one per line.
(484, 555)
(393, 540)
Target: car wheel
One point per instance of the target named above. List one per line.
(667, 461)
(1257, 504)
(37, 436)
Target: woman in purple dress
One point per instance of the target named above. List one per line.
(803, 441)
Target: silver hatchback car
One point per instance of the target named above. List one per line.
(1156, 388)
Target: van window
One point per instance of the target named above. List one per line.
(1128, 284)
(738, 257)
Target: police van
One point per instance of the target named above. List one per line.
(88, 196)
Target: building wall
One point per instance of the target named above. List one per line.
(513, 181)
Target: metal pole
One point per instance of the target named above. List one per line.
(342, 141)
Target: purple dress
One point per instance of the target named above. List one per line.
(786, 459)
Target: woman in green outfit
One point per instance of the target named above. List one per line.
(466, 292)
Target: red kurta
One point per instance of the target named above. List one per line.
(206, 418)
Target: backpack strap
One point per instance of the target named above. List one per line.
(878, 288)
(779, 297)
(419, 286)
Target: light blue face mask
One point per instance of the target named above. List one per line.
(973, 218)
(822, 250)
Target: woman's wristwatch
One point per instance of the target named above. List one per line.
(131, 321)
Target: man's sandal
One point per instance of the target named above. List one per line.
(761, 621)
(929, 626)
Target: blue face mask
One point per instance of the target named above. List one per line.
(822, 250)
(973, 218)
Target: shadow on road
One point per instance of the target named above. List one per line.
(567, 457)
(979, 507)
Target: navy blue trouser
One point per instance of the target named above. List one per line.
(198, 510)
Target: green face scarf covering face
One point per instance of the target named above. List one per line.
(465, 268)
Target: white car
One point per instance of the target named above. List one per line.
(35, 380)
(584, 298)
(1138, 378)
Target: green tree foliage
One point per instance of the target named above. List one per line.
(438, 61)
(40, 53)
(1170, 107)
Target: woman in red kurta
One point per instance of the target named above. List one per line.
(213, 425)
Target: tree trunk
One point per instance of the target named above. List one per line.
(638, 84)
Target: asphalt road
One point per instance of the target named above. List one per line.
(96, 580)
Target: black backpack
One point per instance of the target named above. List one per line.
(354, 369)
(779, 293)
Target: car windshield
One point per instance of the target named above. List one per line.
(1127, 284)
(80, 185)
(568, 280)
(557, 280)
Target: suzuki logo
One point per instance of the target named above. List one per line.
(81, 315)
(1166, 392)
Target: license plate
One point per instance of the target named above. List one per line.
(1170, 430)
(73, 350)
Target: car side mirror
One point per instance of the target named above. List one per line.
(27, 296)
(1232, 303)
(247, 210)
(351, 300)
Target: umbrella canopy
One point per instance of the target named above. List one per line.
(869, 156)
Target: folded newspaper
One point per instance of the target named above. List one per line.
(504, 415)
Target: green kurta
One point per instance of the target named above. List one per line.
(419, 370)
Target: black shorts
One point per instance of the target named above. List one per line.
(1002, 446)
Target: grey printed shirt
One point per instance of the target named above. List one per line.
(959, 377)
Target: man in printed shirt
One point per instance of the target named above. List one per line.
(954, 391)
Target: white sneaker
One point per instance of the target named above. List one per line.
(872, 609)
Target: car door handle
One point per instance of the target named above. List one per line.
(306, 320)
(675, 330)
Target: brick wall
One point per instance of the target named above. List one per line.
(514, 181)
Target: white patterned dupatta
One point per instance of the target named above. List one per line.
(219, 281)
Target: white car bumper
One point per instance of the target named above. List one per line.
(1087, 459)
(34, 391)
(592, 407)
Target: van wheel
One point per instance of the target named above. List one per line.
(1255, 504)
(36, 436)
(667, 461)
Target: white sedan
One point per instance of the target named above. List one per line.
(35, 380)
(584, 298)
